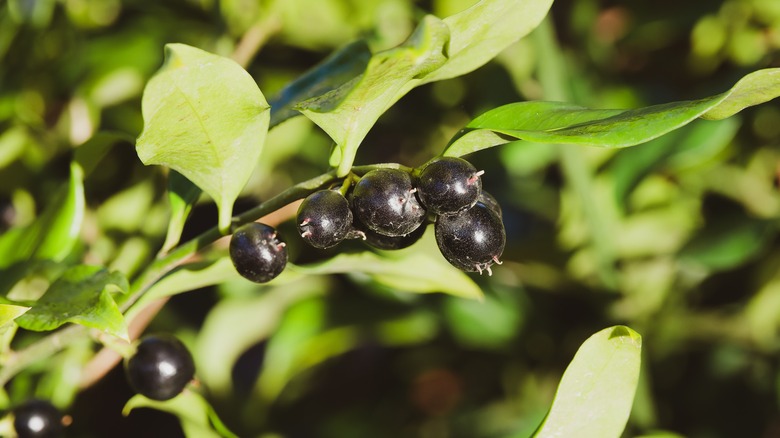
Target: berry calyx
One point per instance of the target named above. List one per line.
(324, 219)
(257, 252)
(472, 240)
(160, 368)
(37, 419)
(448, 185)
(384, 201)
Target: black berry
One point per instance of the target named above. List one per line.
(380, 241)
(324, 219)
(472, 240)
(257, 252)
(36, 419)
(448, 185)
(490, 202)
(160, 368)
(384, 201)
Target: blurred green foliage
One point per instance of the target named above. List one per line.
(676, 238)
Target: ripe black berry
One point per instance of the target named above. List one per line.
(257, 252)
(448, 185)
(384, 201)
(160, 368)
(490, 202)
(472, 240)
(380, 241)
(324, 219)
(36, 419)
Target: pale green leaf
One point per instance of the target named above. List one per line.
(182, 195)
(416, 269)
(82, 295)
(596, 392)
(347, 113)
(9, 312)
(479, 33)
(205, 118)
(196, 416)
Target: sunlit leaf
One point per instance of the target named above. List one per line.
(82, 295)
(195, 414)
(348, 112)
(596, 392)
(411, 269)
(482, 31)
(559, 122)
(342, 65)
(9, 312)
(205, 118)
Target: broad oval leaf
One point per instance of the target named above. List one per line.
(596, 392)
(197, 417)
(205, 118)
(563, 123)
(82, 295)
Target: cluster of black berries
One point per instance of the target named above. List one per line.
(388, 208)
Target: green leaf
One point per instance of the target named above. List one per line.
(197, 417)
(727, 242)
(482, 31)
(205, 118)
(438, 49)
(347, 113)
(82, 295)
(419, 269)
(342, 65)
(596, 391)
(55, 232)
(182, 195)
(9, 312)
(564, 123)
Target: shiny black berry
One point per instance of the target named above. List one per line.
(324, 219)
(384, 201)
(257, 252)
(380, 241)
(448, 185)
(472, 240)
(491, 202)
(37, 419)
(160, 368)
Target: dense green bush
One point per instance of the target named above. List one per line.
(136, 135)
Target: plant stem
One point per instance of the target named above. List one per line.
(60, 339)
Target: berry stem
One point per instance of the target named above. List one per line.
(56, 341)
